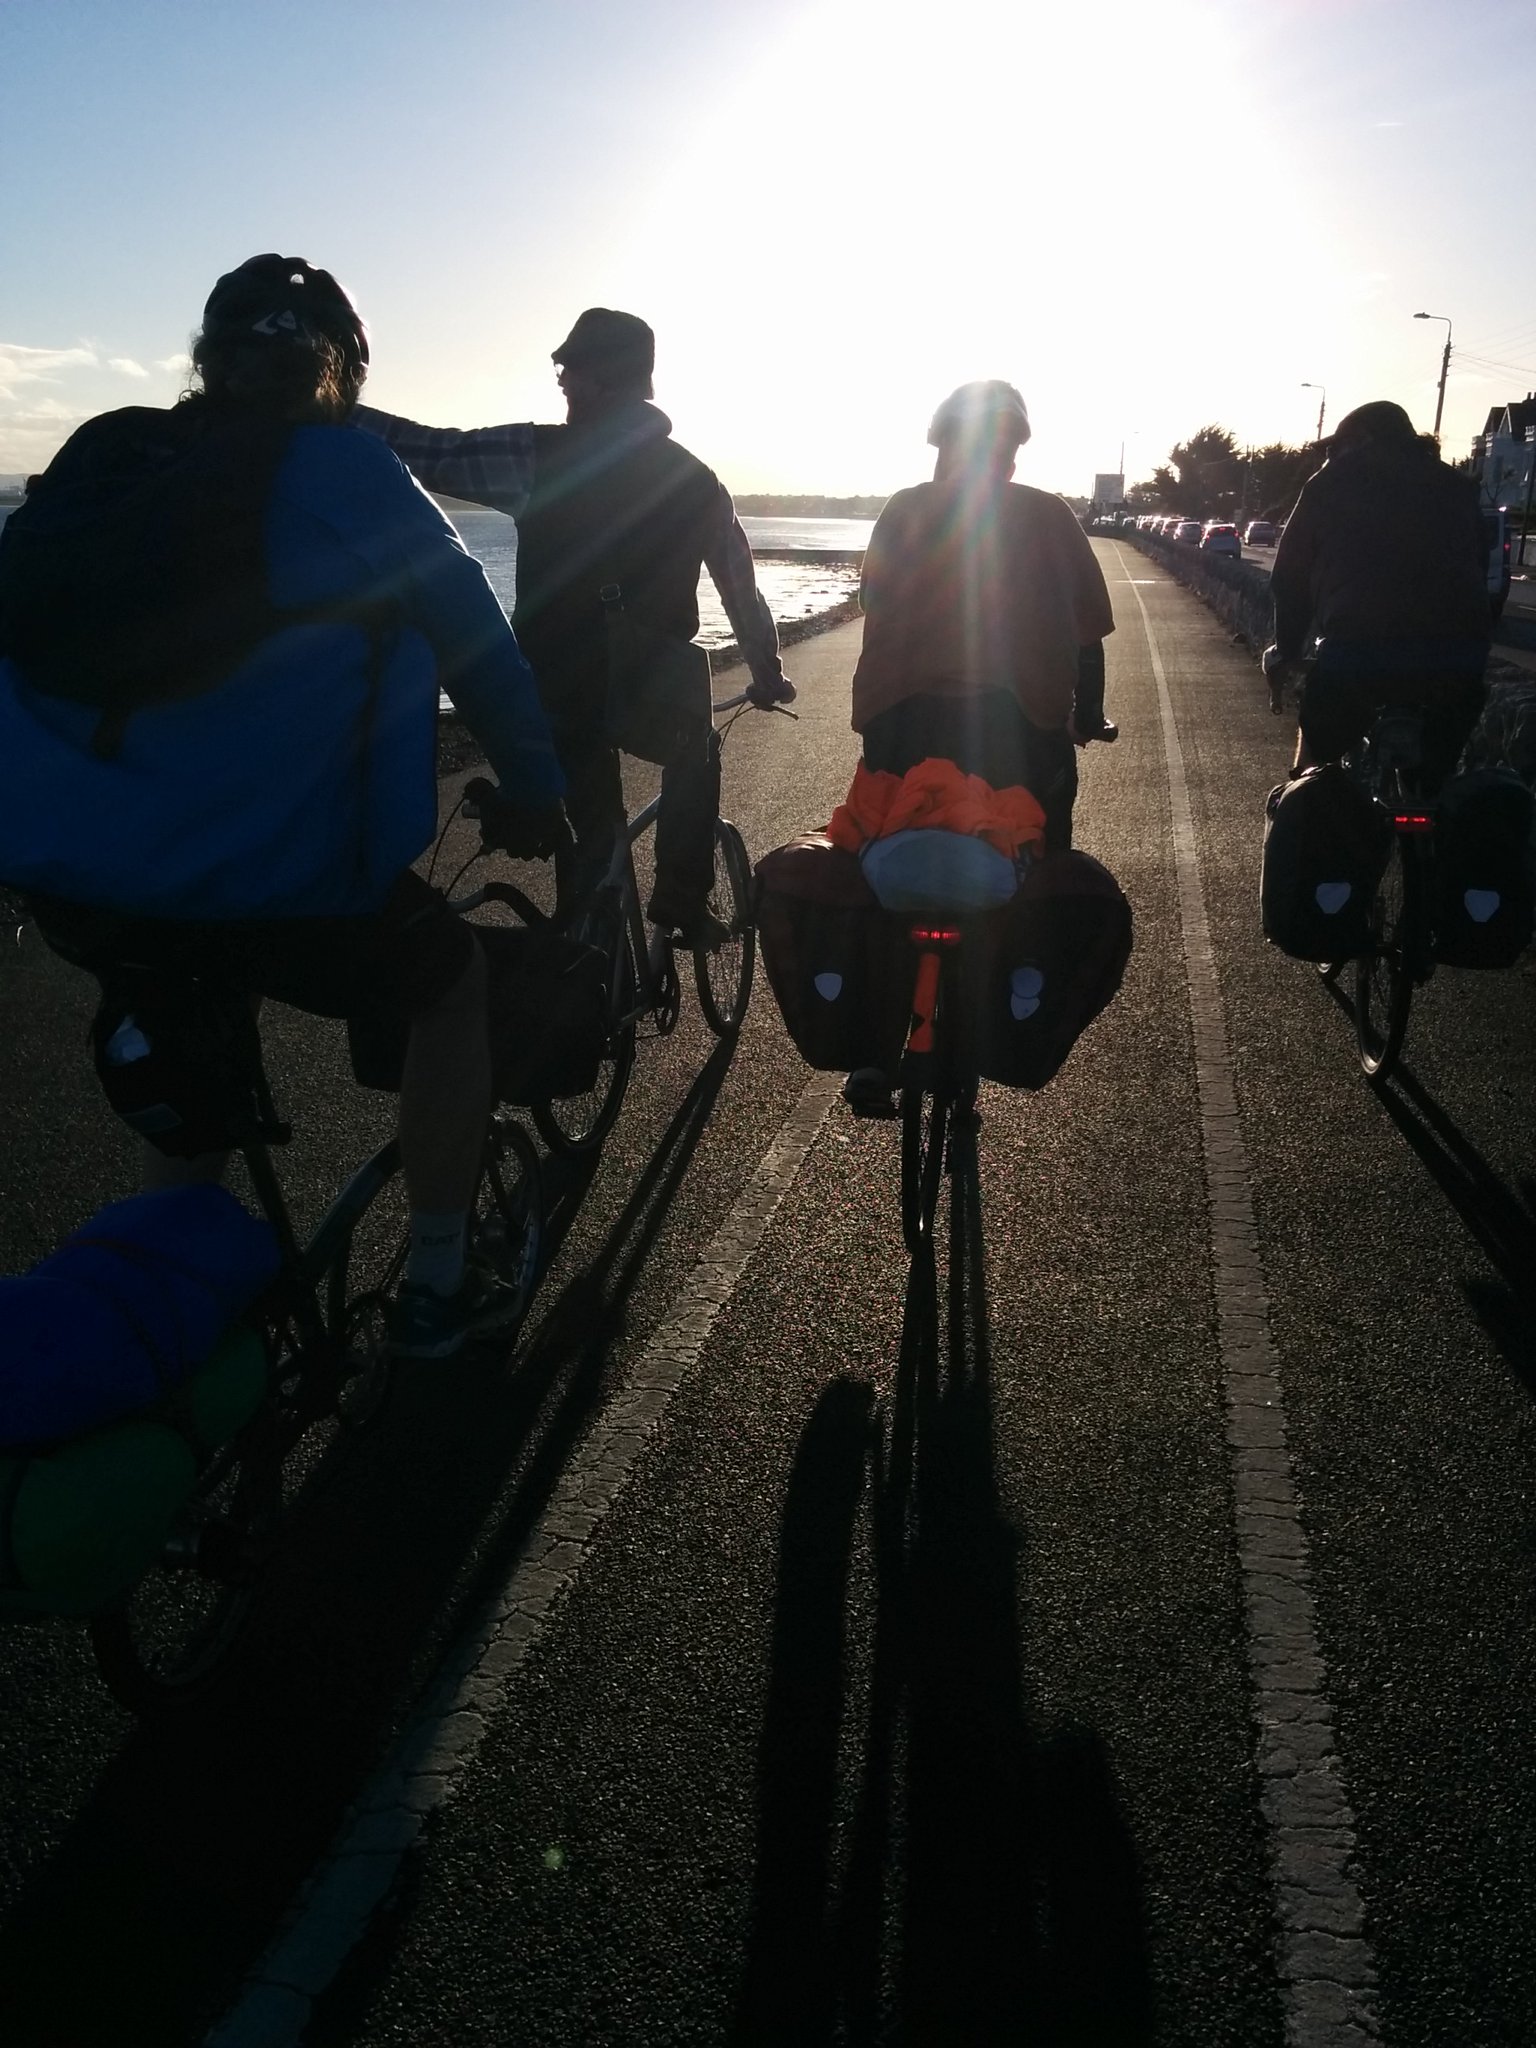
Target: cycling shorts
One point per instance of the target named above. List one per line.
(406, 955)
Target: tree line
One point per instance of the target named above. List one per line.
(1210, 477)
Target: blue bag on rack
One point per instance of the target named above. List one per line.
(125, 1311)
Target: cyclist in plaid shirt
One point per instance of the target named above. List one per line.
(610, 498)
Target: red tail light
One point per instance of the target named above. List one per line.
(935, 935)
(1413, 821)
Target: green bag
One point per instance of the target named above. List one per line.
(658, 685)
(81, 1522)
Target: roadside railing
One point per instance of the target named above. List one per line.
(1237, 592)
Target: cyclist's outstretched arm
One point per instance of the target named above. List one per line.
(491, 466)
(728, 558)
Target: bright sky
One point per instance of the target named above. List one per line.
(1148, 214)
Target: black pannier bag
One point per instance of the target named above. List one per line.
(1326, 848)
(547, 1001)
(179, 1060)
(1042, 968)
(841, 969)
(1485, 887)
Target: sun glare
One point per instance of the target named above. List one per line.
(937, 194)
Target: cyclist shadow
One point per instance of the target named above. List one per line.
(572, 1349)
(1500, 1218)
(388, 1561)
(979, 1873)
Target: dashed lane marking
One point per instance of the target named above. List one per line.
(1327, 1971)
(342, 1894)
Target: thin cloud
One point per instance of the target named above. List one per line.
(127, 366)
(178, 365)
(50, 412)
(20, 365)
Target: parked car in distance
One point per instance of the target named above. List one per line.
(1259, 533)
(1496, 539)
(1188, 529)
(1219, 538)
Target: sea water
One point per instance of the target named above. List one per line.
(794, 589)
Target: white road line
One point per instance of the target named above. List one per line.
(1327, 1971)
(336, 1904)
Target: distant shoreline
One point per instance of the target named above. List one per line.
(771, 505)
(751, 505)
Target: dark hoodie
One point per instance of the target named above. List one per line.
(1385, 544)
(614, 500)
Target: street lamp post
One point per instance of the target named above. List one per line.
(1445, 365)
(1322, 403)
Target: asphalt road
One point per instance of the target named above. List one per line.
(903, 1694)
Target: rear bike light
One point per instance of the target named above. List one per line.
(1413, 821)
(935, 935)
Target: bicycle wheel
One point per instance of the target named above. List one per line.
(724, 972)
(924, 1120)
(162, 1643)
(575, 1124)
(1384, 975)
(506, 1225)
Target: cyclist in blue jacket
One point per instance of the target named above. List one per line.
(253, 817)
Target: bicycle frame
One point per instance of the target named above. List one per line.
(650, 950)
(1387, 764)
(937, 1076)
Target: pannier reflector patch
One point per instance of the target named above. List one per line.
(1481, 904)
(1332, 896)
(1025, 984)
(829, 985)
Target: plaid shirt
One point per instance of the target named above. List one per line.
(494, 466)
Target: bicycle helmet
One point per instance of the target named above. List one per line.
(281, 298)
(990, 403)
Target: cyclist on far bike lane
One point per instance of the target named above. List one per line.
(609, 502)
(223, 630)
(985, 617)
(1380, 589)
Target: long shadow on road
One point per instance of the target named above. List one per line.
(979, 1883)
(173, 1875)
(1500, 1219)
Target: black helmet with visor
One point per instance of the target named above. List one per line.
(283, 298)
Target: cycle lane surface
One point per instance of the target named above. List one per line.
(1397, 1233)
(1056, 1648)
(1095, 1463)
(836, 1734)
